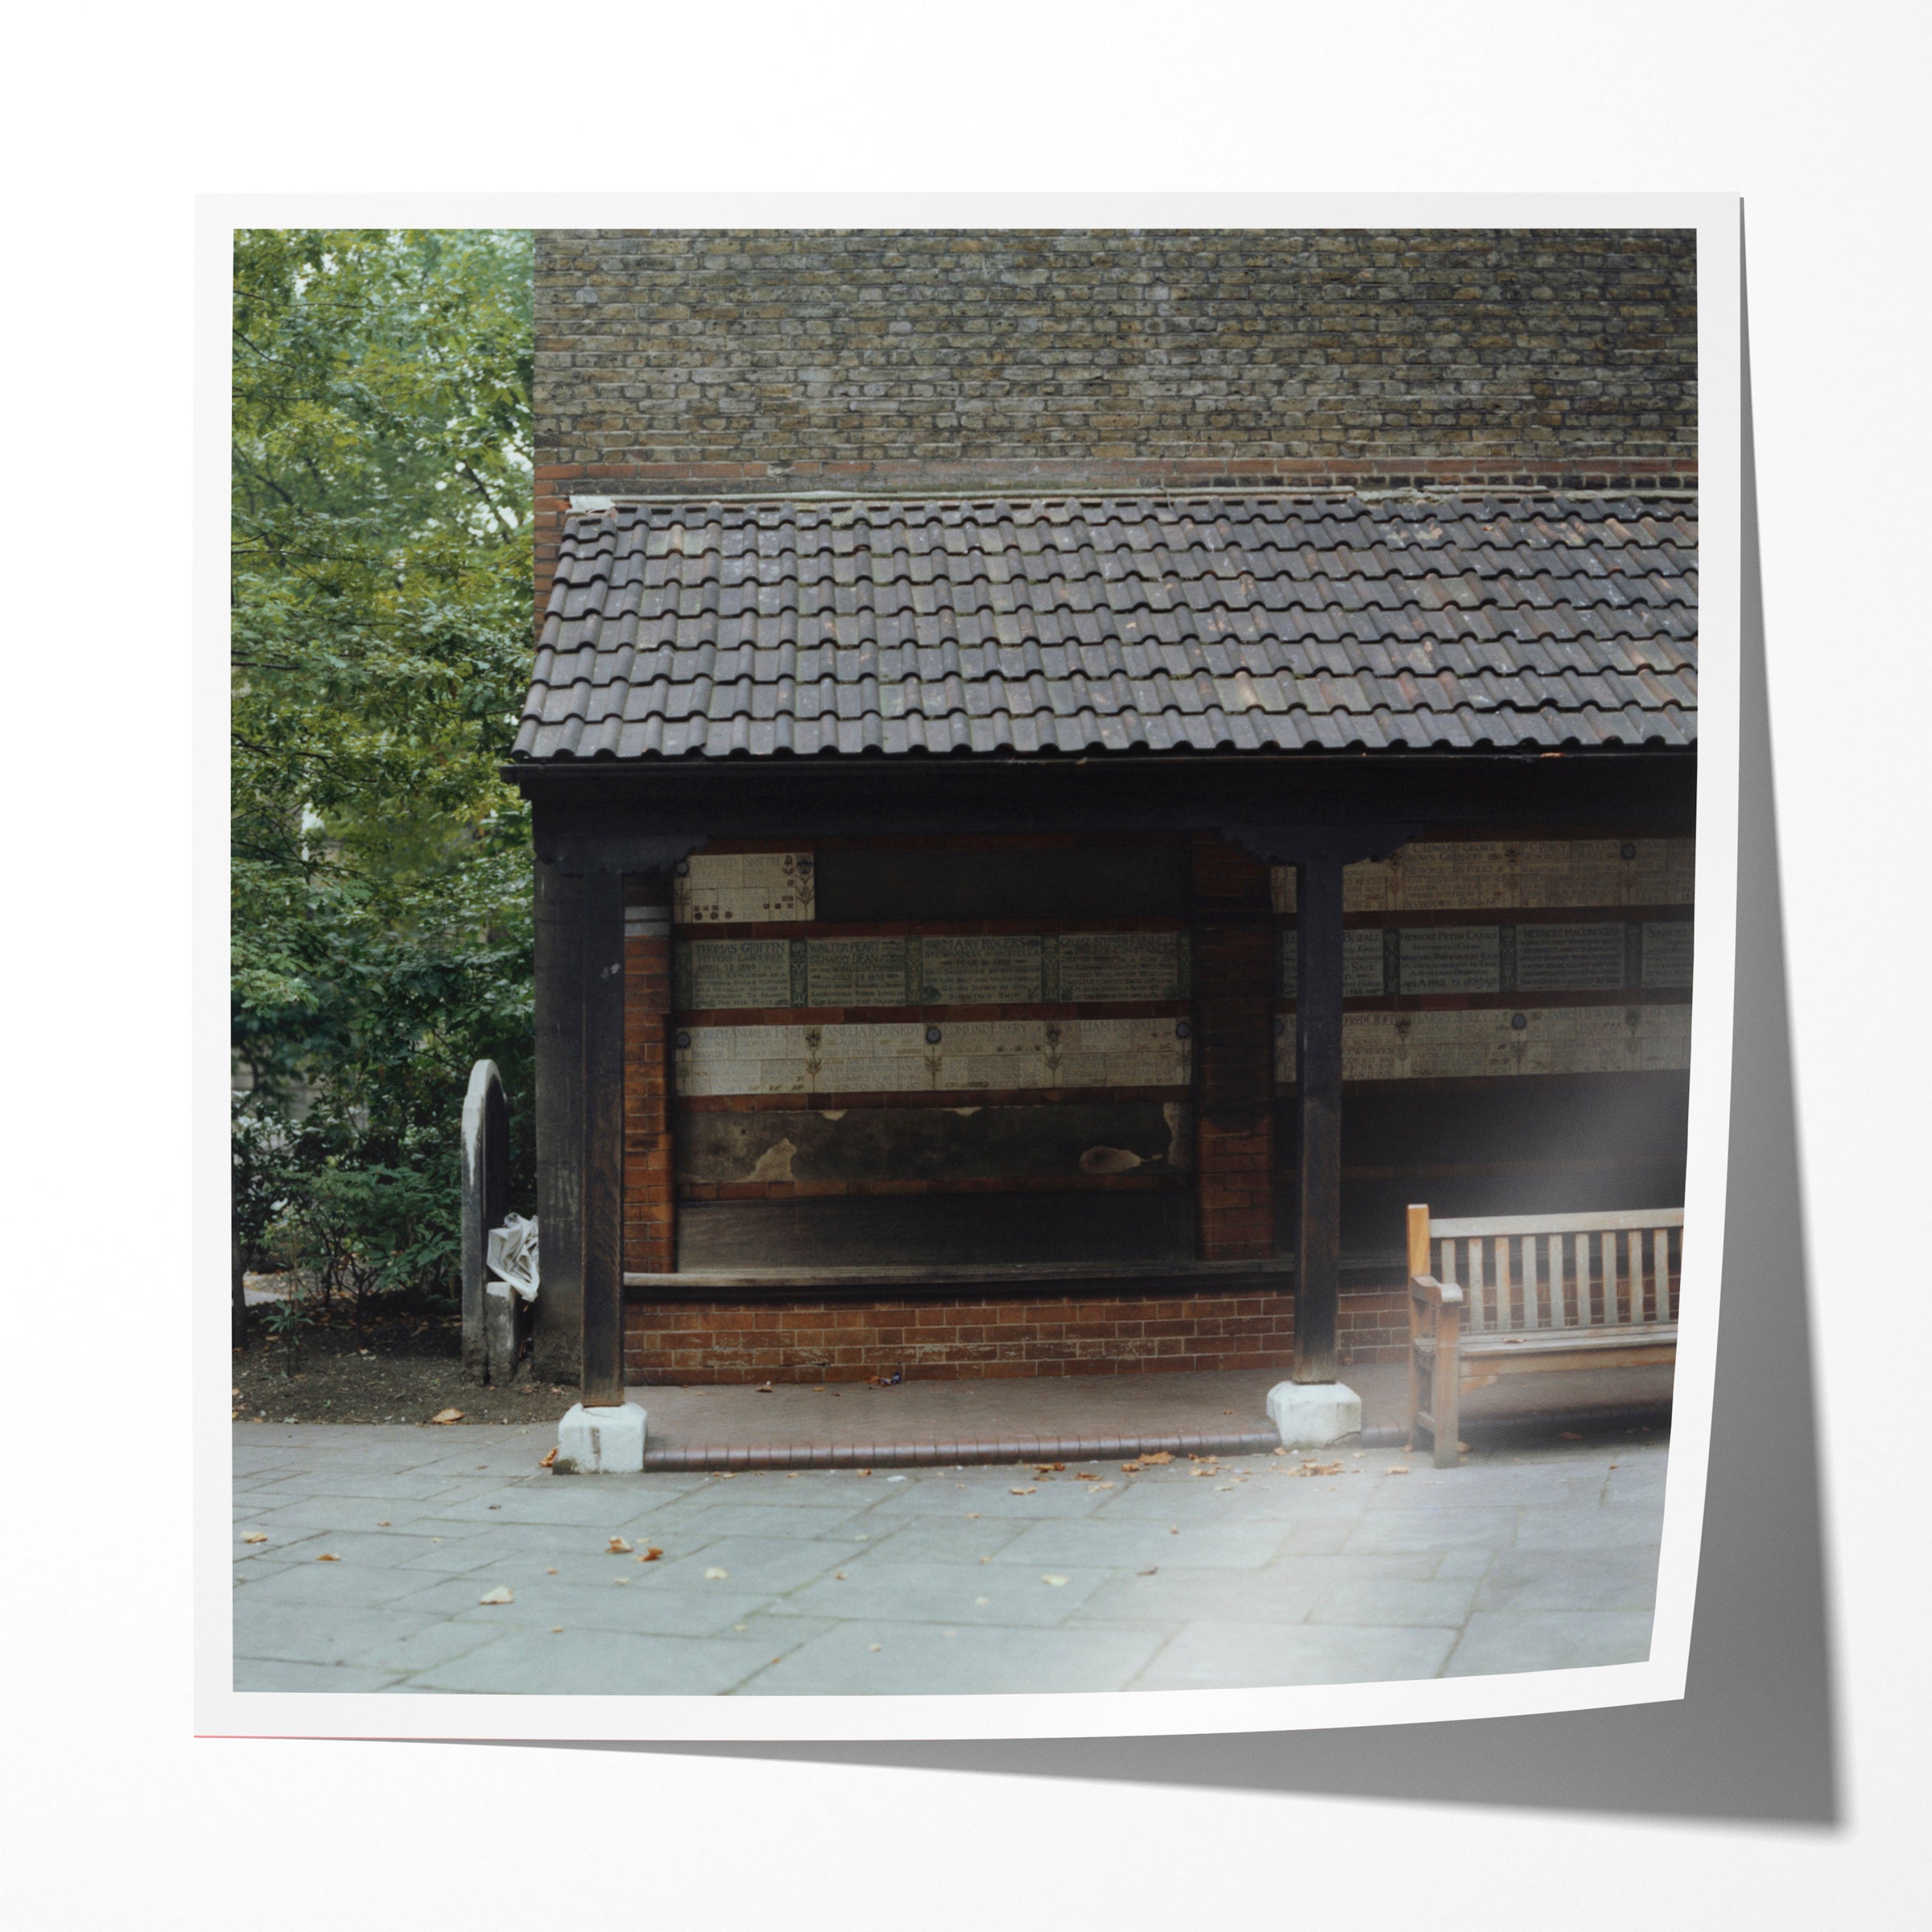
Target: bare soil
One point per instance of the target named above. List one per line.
(407, 1369)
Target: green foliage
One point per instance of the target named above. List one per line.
(381, 588)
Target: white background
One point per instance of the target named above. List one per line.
(118, 1814)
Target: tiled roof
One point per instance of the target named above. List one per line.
(677, 629)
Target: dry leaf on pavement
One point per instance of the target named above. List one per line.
(448, 1415)
(501, 1594)
(616, 1546)
(648, 1553)
(549, 1461)
(1030, 1489)
(1056, 1581)
(328, 1556)
(1159, 1455)
(255, 1536)
(1394, 1469)
(714, 1575)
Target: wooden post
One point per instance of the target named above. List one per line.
(1317, 1067)
(602, 1129)
(558, 1349)
(579, 969)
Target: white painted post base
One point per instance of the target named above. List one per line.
(1311, 1415)
(600, 1441)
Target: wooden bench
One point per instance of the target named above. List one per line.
(1530, 1294)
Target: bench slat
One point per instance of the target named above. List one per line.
(1556, 1223)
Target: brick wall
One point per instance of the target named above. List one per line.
(687, 361)
(833, 1341)
(649, 1192)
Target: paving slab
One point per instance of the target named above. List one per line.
(888, 1659)
(1498, 1641)
(1536, 1559)
(1211, 1654)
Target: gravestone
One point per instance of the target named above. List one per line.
(490, 1321)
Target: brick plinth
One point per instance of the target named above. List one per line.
(826, 1340)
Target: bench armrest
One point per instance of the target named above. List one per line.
(1438, 1294)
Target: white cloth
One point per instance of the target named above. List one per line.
(513, 1254)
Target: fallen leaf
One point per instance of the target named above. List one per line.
(328, 1557)
(620, 1580)
(1082, 1476)
(616, 1546)
(982, 1601)
(985, 1559)
(714, 1575)
(384, 1523)
(864, 1472)
(1047, 1469)
(1153, 1569)
(1174, 1528)
(1159, 1455)
(1394, 1469)
(256, 1536)
(648, 1553)
(448, 1415)
(1203, 1471)
(1030, 1489)
(501, 1594)
(1131, 1468)
(549, 1462)
(763, 1388)
(1281, 1451)
(551, 1570)
(972, 1516)
(839, 1576)
(728, 1475)
(1056, 1581)
(875, 1646)
(1569, 1435)
(1101, 1485)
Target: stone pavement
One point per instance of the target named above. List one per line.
(1186, 1576)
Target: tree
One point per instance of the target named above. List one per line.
(381, 594)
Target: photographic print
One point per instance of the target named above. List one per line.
(963, 965)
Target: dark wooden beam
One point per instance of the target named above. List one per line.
(558, 1345)
(602, 969)
(1317, 1069)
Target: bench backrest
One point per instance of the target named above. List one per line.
(1523, 1273)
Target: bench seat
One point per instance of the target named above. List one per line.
(1534, 1293)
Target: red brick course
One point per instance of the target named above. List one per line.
(822, 1340)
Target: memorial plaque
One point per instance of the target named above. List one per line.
(1364, 961)
(1450, 959)
(1438, 878)
(980, 971)
(1489, 1044)
(738, 972)
(1570, 871)
(1662, 872)
(745, 888)
(856, 972)
(1119, 966)
(1569, 959)
(1667, 946)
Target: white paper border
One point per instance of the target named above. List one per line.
(220, 1710)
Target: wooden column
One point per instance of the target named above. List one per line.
(557, 1348)
(1317, 1067)
(580, 1025)
(603, 1132)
